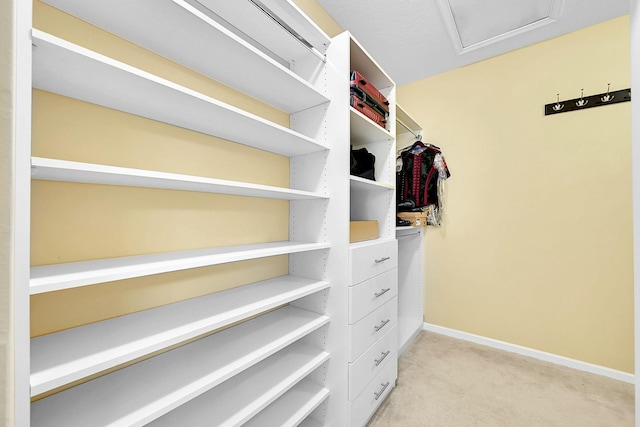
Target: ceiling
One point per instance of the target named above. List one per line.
(414, 39)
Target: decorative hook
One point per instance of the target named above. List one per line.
(582, 102)
(607, 97)
(558, 105)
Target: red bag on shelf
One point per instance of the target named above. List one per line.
(360, 82)
(368, 111)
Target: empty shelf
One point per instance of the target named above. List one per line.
(138, 394)
(364, 184)
(55, 277)
(67, 69)
(310, 422)
(363, 130)
(293, 407)
(64, 170)
(67, 356)
(240, 398)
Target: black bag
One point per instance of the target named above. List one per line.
(363, 164)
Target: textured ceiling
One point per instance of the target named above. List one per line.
(411, 40)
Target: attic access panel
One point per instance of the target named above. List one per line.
(475, 23)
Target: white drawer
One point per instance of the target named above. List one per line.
(367, 366)
(372, 327)
(373, 394)
(370, 259)
(371, 294)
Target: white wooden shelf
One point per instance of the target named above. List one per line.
(56, 277)
(362, 184)
(64, 170)
(67, 356)
(73, 71)
(293, 407)
(363, 130)
(310, 422)
(200, 43)
(369, 243)
(138, 394)
(240, 398)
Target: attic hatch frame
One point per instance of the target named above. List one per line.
(454, 34)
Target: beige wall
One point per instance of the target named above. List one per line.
(536, 249)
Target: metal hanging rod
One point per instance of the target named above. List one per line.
(409, 129)
(288, 29)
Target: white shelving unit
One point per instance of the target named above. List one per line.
(70, 70)
(140, 393)
(305, 396)
(283, 351)
(236, 401)
(69, 355)
(198, 35)
(189, 361)
(410, 253)
(372, 319)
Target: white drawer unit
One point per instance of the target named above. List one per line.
(371, 362)
(368, 259)
(371, 328)
(373, 394)
(371, 294)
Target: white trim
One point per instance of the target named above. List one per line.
(18, 392)
(452, 28)
(635, 178)
(530, 352)
(405, 346)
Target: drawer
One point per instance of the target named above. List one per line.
(374, 360)
(373, 394)
(372, 327)
(371, 294)
(369, 259)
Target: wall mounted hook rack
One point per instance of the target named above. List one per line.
(582, 103)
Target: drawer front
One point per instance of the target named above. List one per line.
(373, 394)
(369, 260)
(373, 361)
(371, 294)
(372, 327)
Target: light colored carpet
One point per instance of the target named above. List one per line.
(445, 382)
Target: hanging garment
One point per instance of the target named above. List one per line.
(422, 167)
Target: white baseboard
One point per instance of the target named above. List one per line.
(530, 352)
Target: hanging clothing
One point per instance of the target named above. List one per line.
(422, 168)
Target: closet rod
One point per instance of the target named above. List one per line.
(288, 29)
(409, 129)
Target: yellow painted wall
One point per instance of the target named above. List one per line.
(76, 222)
(536, 249)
